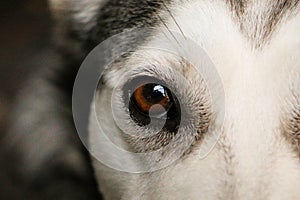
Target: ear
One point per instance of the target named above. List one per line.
(58, 7)
(74, 19)
(83, 12)
(76, 6)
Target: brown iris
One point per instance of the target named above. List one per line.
(153, 97)
(148, 100)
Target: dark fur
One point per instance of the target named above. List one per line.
(42, 138)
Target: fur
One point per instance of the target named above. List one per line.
(255, 47)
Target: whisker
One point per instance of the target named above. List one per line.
(172, 16)
(165, 25)
(168, 29)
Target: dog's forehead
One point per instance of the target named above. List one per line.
(229, 31)
(258, 19)
(96, 20)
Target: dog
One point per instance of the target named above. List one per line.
(251, 136)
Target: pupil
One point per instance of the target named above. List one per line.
(154, 93)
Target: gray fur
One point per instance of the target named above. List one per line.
(49, 160)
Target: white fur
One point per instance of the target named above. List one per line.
(256, 83)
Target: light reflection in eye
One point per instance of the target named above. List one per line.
(161, 89)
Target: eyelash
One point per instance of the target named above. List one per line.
(291, 128)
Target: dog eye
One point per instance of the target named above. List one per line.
(149, 99)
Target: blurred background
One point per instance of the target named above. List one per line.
(25, 40)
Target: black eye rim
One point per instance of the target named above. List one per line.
(173, 115)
